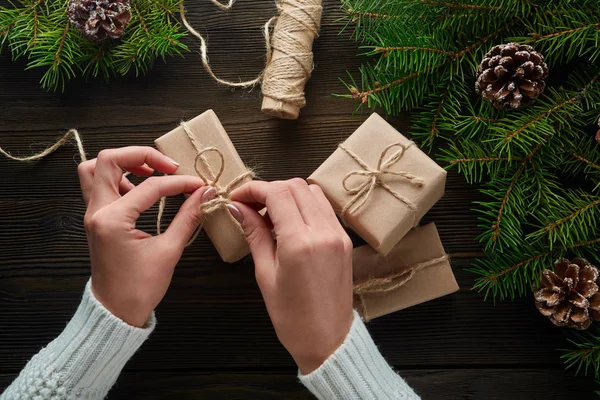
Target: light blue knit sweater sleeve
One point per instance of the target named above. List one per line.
(84, 361)
(357, 371)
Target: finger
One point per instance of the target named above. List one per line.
(307, 203)
(86, 177)
(142, 170)
(85, 170)
(186, 222)
(147, 193)
(278, 199)
(110, 165)
(125, 186)
(261, 243)
(325, 207)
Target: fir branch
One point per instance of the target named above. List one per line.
(537, 38)
(387, 50)
(507, 275)
(478, 160)
(39, 31)
(141, 20)
(61, 46)
(581, 158)
(510, 136)
(434, 129)
(497, 226)
(571, 217)
(358, 14)
(586, 353)
(458, 6)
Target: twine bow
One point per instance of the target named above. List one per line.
(374, 178)
(389, 283)
(222, 195)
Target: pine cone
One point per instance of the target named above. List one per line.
(99, 19)
(569, 294)
(511, 75)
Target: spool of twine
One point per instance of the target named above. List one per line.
(289, 57)
(292, 61)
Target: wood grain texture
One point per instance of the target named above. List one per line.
(214, 339)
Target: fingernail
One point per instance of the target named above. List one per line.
(236, 213)
(170, 160)
(210, 194)
(131, 185)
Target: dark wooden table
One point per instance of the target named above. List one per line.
(214, 339)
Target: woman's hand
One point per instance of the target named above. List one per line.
(131, 269)
(305, 273)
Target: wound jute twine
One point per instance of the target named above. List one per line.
(204, 170)
(289, 57)
(375, 178)
(389, 283)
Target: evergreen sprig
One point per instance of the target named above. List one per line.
(39, 30)
(539, 166)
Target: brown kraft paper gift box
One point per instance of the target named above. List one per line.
(383, 219)
(222, 229)
(420, 250)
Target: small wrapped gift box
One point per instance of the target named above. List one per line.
(415, 271)
(380, 183)
(188, 145)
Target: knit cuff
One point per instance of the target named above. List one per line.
(90, 353)
(357, 370)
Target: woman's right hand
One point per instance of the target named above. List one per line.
(305, 272)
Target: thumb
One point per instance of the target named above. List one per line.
(188, 219)
(260, 239)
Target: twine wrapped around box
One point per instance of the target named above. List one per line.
(415, 271)
(399, 183)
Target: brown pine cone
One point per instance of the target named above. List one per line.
(99, 19)
(511, 75)
(569, 294)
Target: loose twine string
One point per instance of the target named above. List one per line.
(362, 192)
(222, 195)
(71, 134)
(389, 283)
(283, 78)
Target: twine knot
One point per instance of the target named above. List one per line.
(361, 192)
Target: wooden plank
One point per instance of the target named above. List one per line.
(465, 384)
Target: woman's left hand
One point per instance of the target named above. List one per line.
(131, 269)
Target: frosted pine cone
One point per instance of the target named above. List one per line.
(511, 75)
(99, 19)
(569, 294)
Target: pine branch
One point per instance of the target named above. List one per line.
(586, 353)
(571, 217)
(514, 273)
(40, 31)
